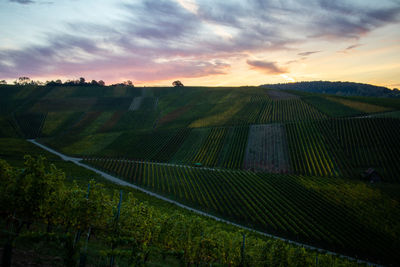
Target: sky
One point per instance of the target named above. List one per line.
(201, 42)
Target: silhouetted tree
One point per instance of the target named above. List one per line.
(101, 83)
(177, 84)
(53, 83)
(81, 80)
(128, 83)
(70, 82)
(94, 82)
(22, 81)
(3, 82)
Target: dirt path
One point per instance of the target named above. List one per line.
(123, 183)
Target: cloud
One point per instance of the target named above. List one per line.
(304, 54)
(353, 46)
(349, 48)
(348, 20)
(266, 67)
(156, 39)
(24, 2)
(295, 60)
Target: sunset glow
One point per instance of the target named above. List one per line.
(209, 43)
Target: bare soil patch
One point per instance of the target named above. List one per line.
(267, 149)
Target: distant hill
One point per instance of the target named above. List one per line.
(337, 88)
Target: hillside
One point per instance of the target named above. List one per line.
(337, 88)
(158, 224)
(284, 162)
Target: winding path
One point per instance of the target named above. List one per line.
(123, 183)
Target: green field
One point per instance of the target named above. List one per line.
(284, 162)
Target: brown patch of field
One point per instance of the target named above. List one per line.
(279, 95)
(267, 149)
(174, 114)
(112, 121)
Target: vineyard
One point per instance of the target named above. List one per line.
(97, 224)
(278, 204)
(30, 124)
(295, 164)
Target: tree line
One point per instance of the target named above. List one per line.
(81, 82)
(338, 88)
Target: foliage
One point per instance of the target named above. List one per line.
(129, 231)
(338, 88)
(177, 84)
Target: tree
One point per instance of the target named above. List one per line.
(94, 82)
(128, 83)
(81, 80)
(3, 82)
(177, 83)
(24, 196)
(101, 83)
(22, 81)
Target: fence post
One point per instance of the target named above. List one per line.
(82, 258)
(79, 232)
(243, 250)
(115, 224)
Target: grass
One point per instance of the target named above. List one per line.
(14, 149)
(96, 124)
(55, 121)
(7, 128)
(331, 108)
(391, 103)
(91, 144)
(361, 106)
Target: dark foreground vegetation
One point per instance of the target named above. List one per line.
(66, 223)
(316, 168)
